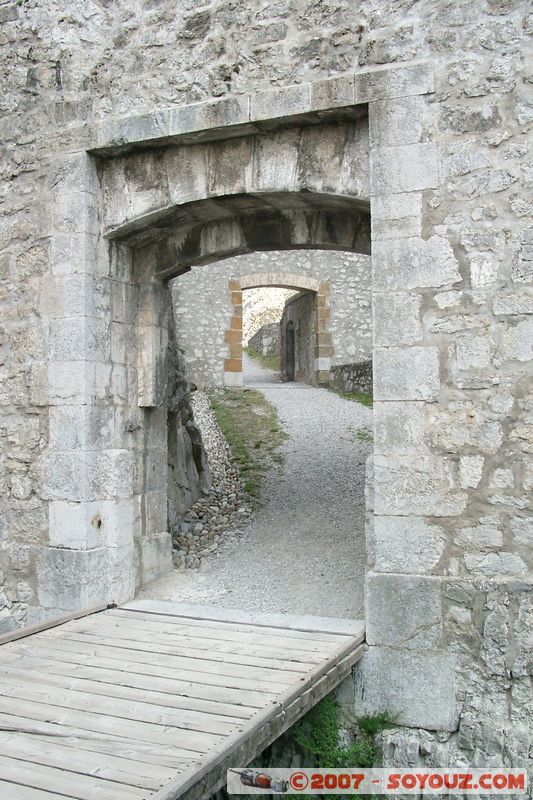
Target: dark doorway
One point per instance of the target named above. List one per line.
(289, 352)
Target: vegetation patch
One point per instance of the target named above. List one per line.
(268, 362)
(252, 429)
(364, 435)
(318, 736)
(358, 397)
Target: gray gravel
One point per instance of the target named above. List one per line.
(303, 551)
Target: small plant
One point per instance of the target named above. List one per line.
(318, 736)
(364, 435)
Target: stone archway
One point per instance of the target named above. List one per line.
(323, 350)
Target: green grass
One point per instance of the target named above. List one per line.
(251, 427)
(364, 435)
(317, 735)
(358, 397)
(268, 362)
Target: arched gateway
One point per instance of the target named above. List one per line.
(289, 168)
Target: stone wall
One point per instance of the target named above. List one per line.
(202, 304)
(449, 105)
(267, 340)
(300, 312)
(353, 377)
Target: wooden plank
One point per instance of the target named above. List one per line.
(187, 743)
(73, 785)
(294, 622)
(86, 762)
(304, 627)
(83, 739)
(177, 661)
(80, 653)
(203, 779)
(220, 632)
(218, 711)
(21, 633)
(119, 674)
(145, 639)
(117, 707)
(220, 646)
(13, 791)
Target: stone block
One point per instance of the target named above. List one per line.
(142, 128)
(479, 537)
(72, 579)
(276, 162)
(401, 683)
(404, 168)
(233, 380)
(78, 475)
(414, 263)
(403, 610)
(517, 342)
(75, 526)
(397, 122)
(422, 486)
(399, 428)
(79, 339)
(381, 83)
(495, 564)
(516, 303)
(332, 93)
(122, 573)
(410, 373)
(522, 529)
(474, 353)
(284, 102)
(72, 253)
(396, 318)
(230, 111)
(407, 545)
(396, 216)
(156, 556)
(470, 471)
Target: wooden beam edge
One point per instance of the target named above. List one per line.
(304, 623)
(21, 633)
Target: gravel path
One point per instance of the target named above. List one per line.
(303, 552)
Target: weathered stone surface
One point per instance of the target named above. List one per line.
(397, 319)
(406, 545)
(407, 168)
(414, 263)
(410, 373)
(401, 682)
(406, 611)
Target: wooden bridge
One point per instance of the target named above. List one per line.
(155, 701)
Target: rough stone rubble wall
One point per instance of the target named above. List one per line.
(69, 63)
(267, 340)
(202, 305)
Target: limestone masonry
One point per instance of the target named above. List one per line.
(142, 139)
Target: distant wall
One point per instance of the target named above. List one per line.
(203, 307)
(352, 377)
(267, 340)
(301, 312)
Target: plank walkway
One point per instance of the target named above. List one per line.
(154, 701)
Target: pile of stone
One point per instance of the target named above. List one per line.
(224, 509)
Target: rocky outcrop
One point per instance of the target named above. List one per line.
(188, 470)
